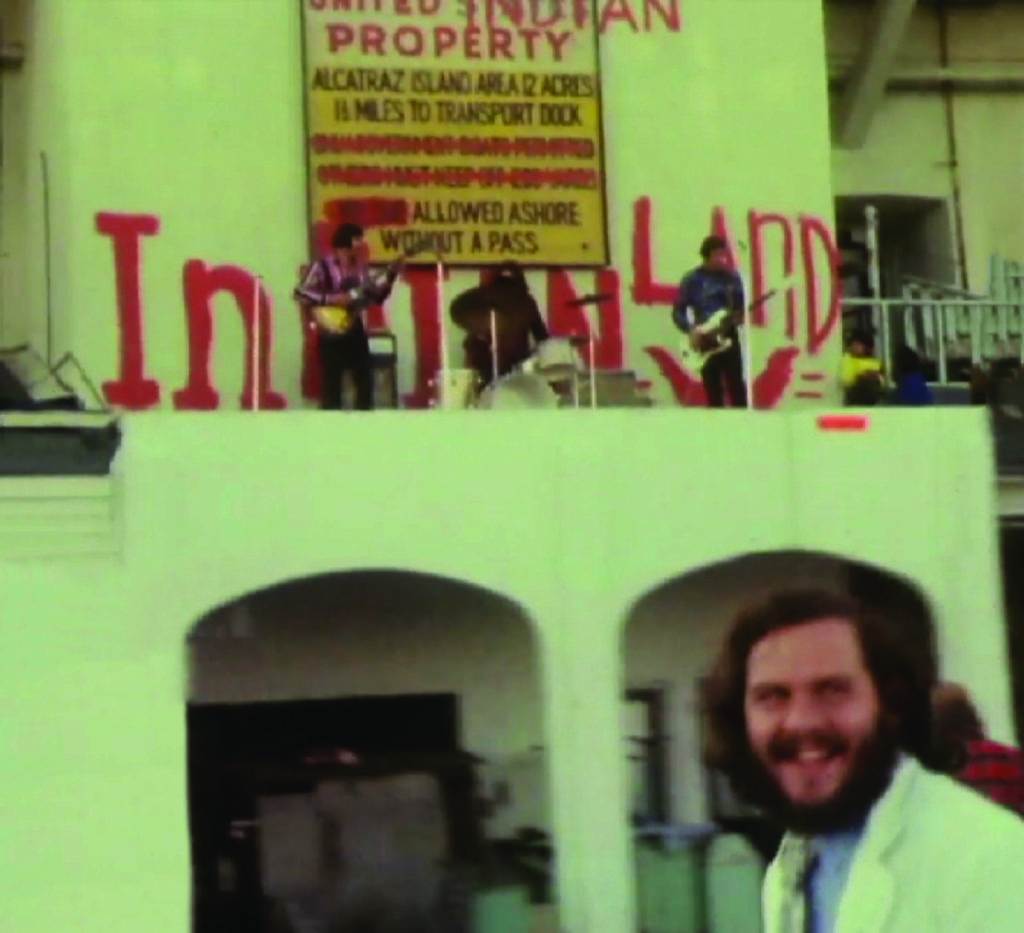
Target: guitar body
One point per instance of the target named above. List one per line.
(338, 321)
(333, 320)
(711, 342)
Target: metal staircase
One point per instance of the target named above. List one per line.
(951, 329)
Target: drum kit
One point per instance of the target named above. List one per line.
(548, 378)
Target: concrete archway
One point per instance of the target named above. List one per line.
(362, 680)
(672, 635)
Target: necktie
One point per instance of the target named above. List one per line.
(796, 862)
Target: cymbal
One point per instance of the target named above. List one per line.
(597, 299)
(472, 310)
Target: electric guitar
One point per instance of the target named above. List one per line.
(711, 339)
(337, 320)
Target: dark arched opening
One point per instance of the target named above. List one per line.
(366, 752)
(688, 824)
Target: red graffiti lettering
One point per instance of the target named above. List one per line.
(132, 390)
(688, 389)
(818, 329)
(645, 290)
(769, 388)
(771, 383)
(617, 11)
(512, 10)
(668, 14)
(758, 222)
(201, 283)
(577, 14)
(557, 14)
(312, 376)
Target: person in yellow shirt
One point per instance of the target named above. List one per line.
(861, 372)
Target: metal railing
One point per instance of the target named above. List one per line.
(1006, 278)
(934, 289)
(980, 328)
(44, 372)
(975, 329)
(941, 322)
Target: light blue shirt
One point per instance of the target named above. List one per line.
(835, 854)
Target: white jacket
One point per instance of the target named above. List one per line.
(935, 857)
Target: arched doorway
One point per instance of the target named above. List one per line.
(700, 849)
(366, 752)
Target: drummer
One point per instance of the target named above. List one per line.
(509, 288)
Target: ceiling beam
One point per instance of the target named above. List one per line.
(963, 80)
(867, 82)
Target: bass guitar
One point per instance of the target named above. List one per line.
(340, 319)
(711, 336)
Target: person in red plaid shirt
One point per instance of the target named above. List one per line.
(994, 769)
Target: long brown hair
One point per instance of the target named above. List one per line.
(902, 671)
(955, 723)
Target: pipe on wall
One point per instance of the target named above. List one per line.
(937, 79)
(953, 151)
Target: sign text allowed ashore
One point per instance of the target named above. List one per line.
(475, 128)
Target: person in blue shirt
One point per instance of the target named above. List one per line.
(911, 385)
(709, 288)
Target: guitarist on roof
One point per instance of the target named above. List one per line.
(342, 280)
(709, 288)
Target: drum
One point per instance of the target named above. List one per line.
(518, 390)
(462, 388)
(555, 359)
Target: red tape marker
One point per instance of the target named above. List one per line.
(844, 422)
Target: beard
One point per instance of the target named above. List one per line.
(869, 775)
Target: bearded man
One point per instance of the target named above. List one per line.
(819, 713)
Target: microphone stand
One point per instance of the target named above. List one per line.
(442, 329)
(494, 347)
(592, 351)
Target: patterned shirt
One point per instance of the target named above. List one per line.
(997, 771)
(329, 276)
